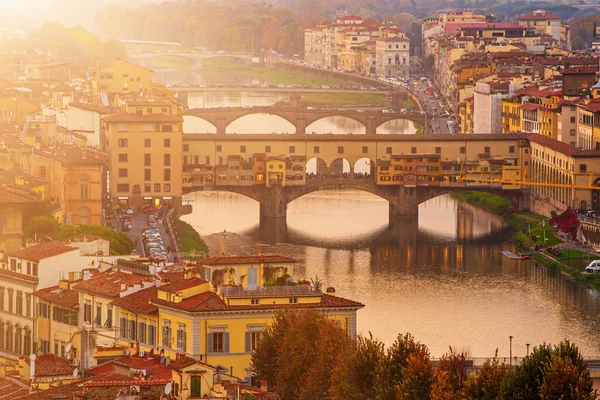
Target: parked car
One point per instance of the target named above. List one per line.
(594, 266)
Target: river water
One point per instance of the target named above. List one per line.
(440, 276)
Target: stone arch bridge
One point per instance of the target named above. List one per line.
(196, 58)
(221, 118)
(403, 201)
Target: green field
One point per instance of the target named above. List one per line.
(343, 99)
(230, 71)
(169, 62)
(490, 202)
(189, 240)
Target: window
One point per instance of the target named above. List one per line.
(511, 149)
(316, 149)
(253, 338)
(181, 344)
(123, 327)
(219, 148)
(413, 150)
(19, 303)
(293, 300)
(139, 110)
(388, 150)
(167, 143)
(122, 172)
(438, 150)
(44, 346)
(166, 333)
(122, 143)
(2, 299)
(157, 187)
(167, 188)
(109, 317)
(10, 299)
(186, 147)
(267, 149)
(147, 174)
(242, 149)
(572, 120)
(486, 149)
(28, 305)
(43, 172)
(149, 110)
(218, 341)
(255, 302)
(463, 149)
(87, 312)
(572, 132)
(147, 187)
(98, 319)
(123, 187)
(167, 128)
(582, 167)
(167, 174)
(132, 330)
(147, 142)
(167, 160)
(340, 149)
(44, 310)
(142, 330)
(206, 160)
(123, 157)
(147, 159)
(152, 334)
(365, 149)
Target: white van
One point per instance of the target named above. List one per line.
(594, 266)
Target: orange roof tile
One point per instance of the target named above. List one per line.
(64, 298)
(140, 301)
(42, 251)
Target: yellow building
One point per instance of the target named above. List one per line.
(120, 78)
(465, 113)
(15, 110)
(14, 200)
(146, 154)
(215, 312)
(58, 320)
(511, 116)
(276, 171)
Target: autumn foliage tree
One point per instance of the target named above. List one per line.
(298, 352)
(451, 378)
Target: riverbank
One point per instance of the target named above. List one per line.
(224, 70)
(189, 241)
(532, 230)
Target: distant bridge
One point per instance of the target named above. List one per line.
(197, 58)
(236, 89)
(301, 118)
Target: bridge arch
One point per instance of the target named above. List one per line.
(194, 124)
(316, 166)
(364, 167)
(347, 125)
(406, 126)
(340, 167)
(238, 123)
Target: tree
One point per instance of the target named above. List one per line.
(232, 40)
(563, 380)
(271, 34)
(417, 377)
(40, 227)
(390, 369)
(488, 383)
(526, 380)
(353, 376)
(298, 352)
(451, 378)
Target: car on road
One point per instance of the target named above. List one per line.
(129, 211)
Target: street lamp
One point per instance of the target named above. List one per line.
(510, 339)
(527, 344)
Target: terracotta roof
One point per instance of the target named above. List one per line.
(51, 365)
(64, 298)
(140, 301)
(42, 251)
(154, 369)
(90, 107)
(530, 106)
(14, 194)
(211, 301)
(182, 361)
(109, 284)
(133, 117)
(13, 387)
(12, 175)
(233, 260)
(538, 15)
(13, 274)
(554, 144)
(182, 285)
(59, 392)
(580, 70)
(171, 276)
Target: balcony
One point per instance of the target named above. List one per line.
(269, 291)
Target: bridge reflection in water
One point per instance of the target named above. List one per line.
(420, 275)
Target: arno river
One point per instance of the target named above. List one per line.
(440, 276)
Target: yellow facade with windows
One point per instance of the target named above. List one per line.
(511, 116)
(120, 78)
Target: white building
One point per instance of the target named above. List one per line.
(392, 56)
(487, 106)
(85, 119)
